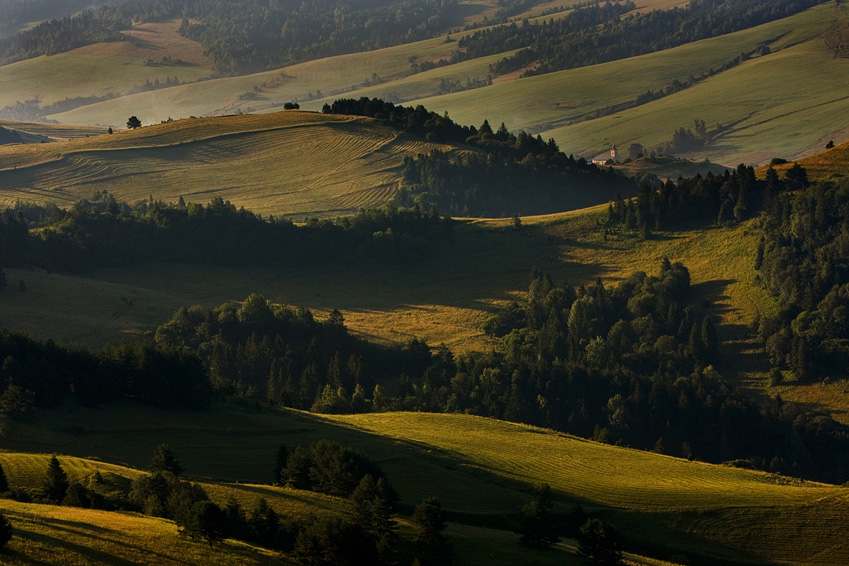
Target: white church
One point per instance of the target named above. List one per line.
(603, 158)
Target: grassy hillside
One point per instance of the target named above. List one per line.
(481, 470)
(383, 71)
(62, 535)
(104, 69)
(781, 106)
(828, 164)
(112, 537)
(290, 163)
(445, 298)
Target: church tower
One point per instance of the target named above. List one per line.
(614, 155)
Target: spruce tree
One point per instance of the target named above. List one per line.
(4, 481)
(164, 460)
(54, 487)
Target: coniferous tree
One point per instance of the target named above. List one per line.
(374, 503)
(4, 481)
(206, 522)
(539, 529)
(599, 543)
(710, 341)
(264, 524)
(77, 496)
(164, 460)
(55, 483)
(430, 524)
(280, 465)
(6, 531)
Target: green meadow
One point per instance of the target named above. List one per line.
(481, 469)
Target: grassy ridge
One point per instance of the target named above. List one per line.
(344, 75)
(829, 164)
(482, 468)
(769, 85)
(98, 70)
(290, 163)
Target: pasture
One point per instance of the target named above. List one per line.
(480, 468)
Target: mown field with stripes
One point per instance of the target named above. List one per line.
(287, 164)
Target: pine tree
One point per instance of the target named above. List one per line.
(164, 460)
(55, 483)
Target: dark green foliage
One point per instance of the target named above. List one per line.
(599, 543)
(164, 460)
(206, 522)
(280, 464)
(162, 494)
(235, 520)
(104, 232)
(4, 481)
(77, 496)
(806, 265)
(297, 472)
(54, 486)
(734, 195)
(539, 528)
(328, 467)
(22, 286)
(41, 374)
(285, 356)
(510, 174)
(133, 123)
(331, 541)
(6, 531)
(429, 520)
(375, 504)
(264, 524)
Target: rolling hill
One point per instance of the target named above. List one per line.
(267, 163)
(774, 104)
(770, 96)
(481, 469)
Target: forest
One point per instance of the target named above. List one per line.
(246, 36)
(512, 173)
(632, 364)
(104, 232)
(803, 259)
